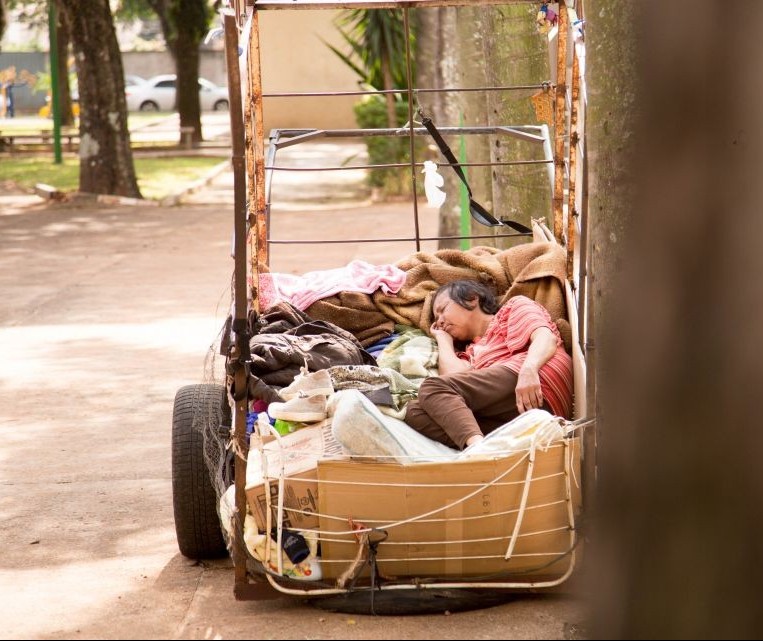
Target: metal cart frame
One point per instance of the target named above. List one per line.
(564, 153)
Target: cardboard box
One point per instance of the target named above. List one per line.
(296, 456)
(453, 519)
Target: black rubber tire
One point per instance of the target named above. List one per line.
(412, 602)
(194, 501)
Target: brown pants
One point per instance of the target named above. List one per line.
(452, 408)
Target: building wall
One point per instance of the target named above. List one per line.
(294, 57)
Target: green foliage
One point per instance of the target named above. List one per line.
(3, 19)
(41, 81)
(128, 10)
(376, 38)
(371, 113)
(376, 41)
(193, 17)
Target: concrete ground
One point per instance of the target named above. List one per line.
(108, 310)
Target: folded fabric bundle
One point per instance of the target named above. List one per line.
(383, 386)
(278, 358)
(302, 291)
(364, 431)
(414, 354)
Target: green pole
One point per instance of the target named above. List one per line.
(466, 221)
(55, 104)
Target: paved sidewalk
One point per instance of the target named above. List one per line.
(107, 311)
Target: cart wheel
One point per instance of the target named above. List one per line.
(197, 524)
(402, 602)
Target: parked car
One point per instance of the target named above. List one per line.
(132, 80)
(158, 94)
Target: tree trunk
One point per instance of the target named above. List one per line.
(434, 28)
(106, 164)
(611, 83)
(3, 19)
(62, 50)
(472, 109)
(185, 24)
(436, 34)
(187, 50)
(515, 54)
(479, 46)
(454, 59)
(679, 549)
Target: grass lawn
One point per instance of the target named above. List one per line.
(157, 177)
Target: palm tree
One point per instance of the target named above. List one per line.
(377, 50)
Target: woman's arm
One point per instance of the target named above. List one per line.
(448, 362)
(543, 345)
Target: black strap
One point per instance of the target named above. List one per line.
(483, 216)
(427, 122)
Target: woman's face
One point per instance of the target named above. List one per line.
(452, 318)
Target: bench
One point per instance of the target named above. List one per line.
(10, 140)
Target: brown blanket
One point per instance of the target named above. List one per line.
(536, 270)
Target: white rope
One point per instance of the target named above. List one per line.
(480, 488)
(561, 528)
(423, 517)
(379, 523)
(523, 501)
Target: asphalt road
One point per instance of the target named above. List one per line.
(107, 311)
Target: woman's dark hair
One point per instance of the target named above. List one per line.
(469, 293)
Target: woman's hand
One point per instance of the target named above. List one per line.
(528, 392)
(448, 361)
(543, 344)
(441, 336)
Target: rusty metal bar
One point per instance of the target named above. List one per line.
(239, 372)
(397, 165)
(559, 121)
(412, 148)
(259, 253)
(584, 267)
(320, 241)
(294, 136)
(374, 92)
(572, 212)
(587, 302)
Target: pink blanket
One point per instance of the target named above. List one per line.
(302, 291)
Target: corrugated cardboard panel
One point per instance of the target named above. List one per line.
(299, 496)
(450, 519)
(296, 456)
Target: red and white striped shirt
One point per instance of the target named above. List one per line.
(507, 340)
